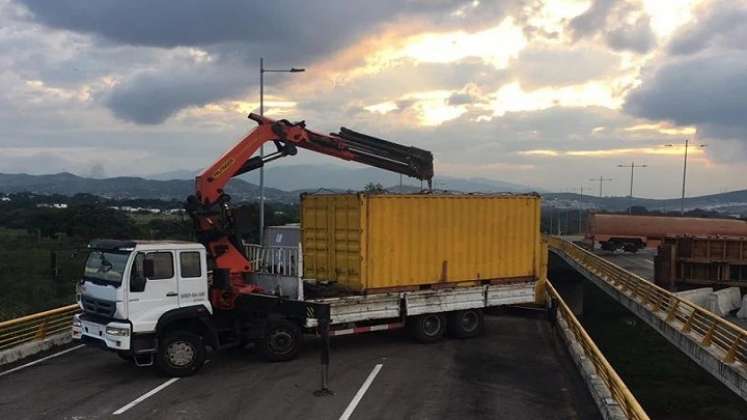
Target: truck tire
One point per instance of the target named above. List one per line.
(126, 356)
(428, 328)
(465, 324)
(180, 353)
(281, 342)
(631, 247)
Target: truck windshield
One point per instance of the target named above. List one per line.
(106, 267)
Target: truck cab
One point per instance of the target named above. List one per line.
(149, 301)
(130, 288)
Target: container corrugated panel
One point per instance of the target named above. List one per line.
(390, 241)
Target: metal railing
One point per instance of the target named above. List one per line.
(281, 260)
(619, 391)
(705, 328)
(36, 326)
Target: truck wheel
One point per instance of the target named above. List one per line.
(126, 356)
(466, 323)
(428, 328)
(282, 341)
(631, 247)
(180, 353)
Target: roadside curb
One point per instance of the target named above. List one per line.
(28, 349)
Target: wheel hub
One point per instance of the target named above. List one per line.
(180, 353)
(431, 325)
(281, 341)
(469, 321)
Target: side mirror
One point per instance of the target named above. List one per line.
(139, 273)
(137, 283)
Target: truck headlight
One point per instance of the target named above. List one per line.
(121, 332)
(77, 323)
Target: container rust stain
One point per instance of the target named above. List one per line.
(366, 242)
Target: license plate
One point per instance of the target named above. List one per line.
(93, 330)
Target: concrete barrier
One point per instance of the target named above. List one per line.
(27, 349)
(608, 407)
(742, 313)
(723, 301)
(697, 296)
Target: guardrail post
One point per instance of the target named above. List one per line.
(686, 327)
(731, 355)
(672, 311)
(708, 339)
(41, 333)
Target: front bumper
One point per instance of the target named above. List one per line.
(112, 335)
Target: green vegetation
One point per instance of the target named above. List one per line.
(43, 248)
(666, 382)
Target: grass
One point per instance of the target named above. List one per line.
(27, 279)
(666, 382)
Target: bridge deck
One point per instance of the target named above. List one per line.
(518, 369)
(718, 346)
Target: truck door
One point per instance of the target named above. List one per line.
(161, 293)
(192, 279)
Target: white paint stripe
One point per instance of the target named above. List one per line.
(51, 356)
(145, 396)
(359, 395)
(342, 332)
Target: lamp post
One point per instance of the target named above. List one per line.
(684, 173)
(262, 71)
(632, 167)
(601, 180)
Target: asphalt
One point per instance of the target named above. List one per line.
(641, 263)
(517, 369)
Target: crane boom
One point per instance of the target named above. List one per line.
(210, 206)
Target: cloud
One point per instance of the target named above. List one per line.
(721, 23)
(621, 23)
(701, 81)
(150, 97)
(547, 65)
(704, 89)
(637, 36)
(233, 33)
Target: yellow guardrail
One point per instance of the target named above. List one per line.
(36, 326)
(620, 392)
(704, 327)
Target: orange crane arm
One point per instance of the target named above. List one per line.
(210, 207)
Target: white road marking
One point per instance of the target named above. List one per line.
(359, 395)
(51, 356)
(145, 396)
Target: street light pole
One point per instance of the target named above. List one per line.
(632, 167)
(261, 153)
(684, 177)
(601, 180)
(684, 174)
(262, 71)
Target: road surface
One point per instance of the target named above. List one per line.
(518, 369)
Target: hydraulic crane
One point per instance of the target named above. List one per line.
(210, 206)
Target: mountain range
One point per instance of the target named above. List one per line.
(284, 184)
(337, 177)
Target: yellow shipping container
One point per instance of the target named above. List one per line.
(381, 241)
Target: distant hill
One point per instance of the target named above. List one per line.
(128, 187)
(311, 178)
(336, 177)
(734, 202)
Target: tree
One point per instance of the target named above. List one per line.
(372, 188)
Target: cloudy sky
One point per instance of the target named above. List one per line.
(547, 93)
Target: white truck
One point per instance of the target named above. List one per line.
(149, 301)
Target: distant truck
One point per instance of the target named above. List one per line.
(634, 232)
